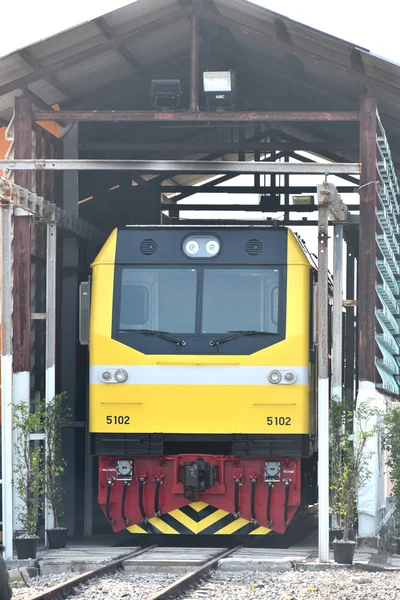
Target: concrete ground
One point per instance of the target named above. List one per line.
(303, 556)
(86, 554)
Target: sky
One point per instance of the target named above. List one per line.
(357, 21)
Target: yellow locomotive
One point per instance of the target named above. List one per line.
(201, 379)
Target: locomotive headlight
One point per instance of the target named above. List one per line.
(192, 247)
(106, 376)
(274, 376)
(212, 247)
(290, 377)
(201, 246)
(121, 375)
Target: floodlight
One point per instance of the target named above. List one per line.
(270, 202)
(165, 93)
(220, 89)
(303, 199)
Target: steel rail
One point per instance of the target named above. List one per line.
(188, 579)
(64, 587)
(181, 166)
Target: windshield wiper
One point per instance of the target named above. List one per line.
(164, 335)
(239, 333)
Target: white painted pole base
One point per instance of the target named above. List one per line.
(371, 499)
(6, 221)
(50, 384)
(50, 393)
(323, 469)
(7, 453)
(21, 393)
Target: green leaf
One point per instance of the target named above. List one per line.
(39, 466)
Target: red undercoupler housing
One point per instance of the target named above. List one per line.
(193, 494)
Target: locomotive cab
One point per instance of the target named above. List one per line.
(201, 387)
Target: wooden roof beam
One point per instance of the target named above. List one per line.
(258, 66)
(284, 38)
(207, 147)
(305, 159)
(39, 102)
(37, 66)
(324, 154)
(36, 100)
(110, 90)
(200, 117)
(101, 48)
(357, 63)
(366, 80)
(134, 62)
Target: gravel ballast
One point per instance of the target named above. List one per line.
(118, 586)
(336, 584)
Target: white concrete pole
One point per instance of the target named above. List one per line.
(6, 378)
(337, 321)
(50, 383)
(323, 375)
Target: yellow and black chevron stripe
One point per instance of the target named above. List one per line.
(198, 518)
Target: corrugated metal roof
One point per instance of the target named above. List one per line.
(321, 72)
(174, 37)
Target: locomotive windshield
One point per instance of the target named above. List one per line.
(199, 300)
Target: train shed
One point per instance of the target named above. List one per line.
(140, 115)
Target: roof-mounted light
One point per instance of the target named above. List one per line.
(165, 93)
(219, 89)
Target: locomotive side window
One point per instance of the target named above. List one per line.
(274, 304)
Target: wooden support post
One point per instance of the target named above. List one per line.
(22, 242)
(21, 271)
(367, 261)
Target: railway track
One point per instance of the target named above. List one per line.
(161, 583)
(170, 590)
(187, 580)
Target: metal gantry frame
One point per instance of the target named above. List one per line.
(183, 166)
(12, 199)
